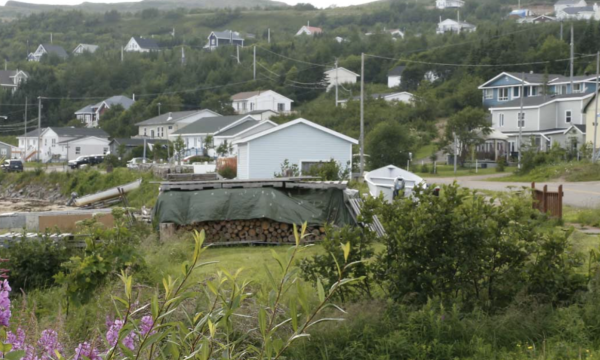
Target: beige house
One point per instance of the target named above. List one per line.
(589, 111)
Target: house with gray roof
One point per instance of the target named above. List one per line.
(544, 120)
(141, 45)
(395, 76)
(49, 49)
(223, 38)
(128, 144)
(62, 143)
(563, 4)
(6, 151)
(579, 13)
(11, 79)
(85, 48)
(222, 129)
(90, 114)
(163, 126)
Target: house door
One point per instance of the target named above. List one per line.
(151, 133)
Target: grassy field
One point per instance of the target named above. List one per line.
(425, 152)
(12, 140)
(589, 217)
(572, 171)
(448, 171)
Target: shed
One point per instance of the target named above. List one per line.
(300, 142)
(5, 150)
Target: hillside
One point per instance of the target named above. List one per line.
(13, 8)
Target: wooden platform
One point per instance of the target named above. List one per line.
(303, 182)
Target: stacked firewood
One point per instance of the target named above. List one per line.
(262, 230)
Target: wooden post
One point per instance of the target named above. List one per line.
(533, 194)
(545, 199)
(560, 201)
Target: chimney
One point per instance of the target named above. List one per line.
(170, 117)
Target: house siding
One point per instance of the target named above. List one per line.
(296, 143)
(242, 162)
(343, 77)
(589, 125)
(511, 119)
(88, 146)
(5, 151)
(265, 101)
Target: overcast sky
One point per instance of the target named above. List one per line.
(319, 3)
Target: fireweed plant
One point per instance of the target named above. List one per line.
(166, 329)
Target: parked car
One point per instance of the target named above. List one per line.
(135, 163)
(82, 160)
(12, 166)
(96, 159)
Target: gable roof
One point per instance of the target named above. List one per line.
(174, 117)
(295, 122)
(227, 34)
(538, 101)
(79, 132)
(397, 71)
(342, 69)
(234, 130)
(538, 79)
(137, 141)
(55, 49)
(567, 2)
(313, 29)
(5, 144)
(248, 94)
(578, 9)
(454, 22)
(124, 101)
(84, 137)
(144, 43)
(6, 76)
(211, 125)
(87, 47)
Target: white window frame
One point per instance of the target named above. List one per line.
(518, 89)
(500, 120)
(568, 116)
(53, 142)
(488, 94)
(580, 90)
(521, 120)
(77, 150)
(280, 107)
(503, 98)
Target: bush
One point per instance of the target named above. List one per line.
(329, 171)
(228, 172)
(424, 169)
(200, 159)
(34, 263)
(500, 165)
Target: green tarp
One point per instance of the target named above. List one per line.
(294, 206)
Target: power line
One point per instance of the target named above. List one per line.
(292, 59)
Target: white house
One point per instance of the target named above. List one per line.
(454, 26)
(162, 126)
(301, 142)
(449, 4)
(396, 33)
(404, 97)
(222, 38)
(44, 49)
(563, 4)
(309, 30)
(90, 115)
(11, 79)
(579, 13)
(56, 143)
(141, 45)
(431, 76)
(546, 119)
(85, 48)
(250, 101)
(395, 76)
(340, 76)
(222, 129)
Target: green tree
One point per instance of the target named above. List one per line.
(389, 143)
(470, 127)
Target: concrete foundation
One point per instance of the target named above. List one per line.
(40, 221)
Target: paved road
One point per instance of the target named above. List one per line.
(580, 194)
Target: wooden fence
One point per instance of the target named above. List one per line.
(548, 202)
(227, 162)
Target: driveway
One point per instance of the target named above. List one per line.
(579, 194)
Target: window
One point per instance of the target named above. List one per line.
(152, 133)
(521, 120)
(171, 127)
(568, 116)
(281, 107)
(105, 151)
(516, 92)
(500, 120)
(77, 150)
(503, 94)
(45, 142)
(53, 142)
(3, 152)
(251, 106)
(244, 105)
(307, 166)
(145, 131)
(577, 88)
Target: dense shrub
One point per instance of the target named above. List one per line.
(228, 172)
(199, 159)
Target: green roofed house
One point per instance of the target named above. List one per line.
(222, 128)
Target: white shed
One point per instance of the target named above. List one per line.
(340, 76)
(300, 141)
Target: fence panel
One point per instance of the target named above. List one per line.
(548, 202)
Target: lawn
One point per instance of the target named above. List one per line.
(589, 217)
(448, 171)
(571, 171)
(425, 152)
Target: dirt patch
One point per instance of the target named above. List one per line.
(29, 205)
(44, 197)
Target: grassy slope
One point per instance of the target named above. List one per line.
(12, 140)
(448, 171)
(573, 171)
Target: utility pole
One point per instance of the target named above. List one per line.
(572, 56)
(182, 56)
(362, 114)
(255, 62)
(5, 64)
(455, 151)
(159, 104)
(336, 82)
(122, 53)
(269, 35)
(39, 142)
(51, 39)
(561, 31)
(25, 125)
(521, 119)
(144, 151)
(594, 156)
(238, 53)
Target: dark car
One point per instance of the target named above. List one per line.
(12, 166)
(96, 159)
(82, 160)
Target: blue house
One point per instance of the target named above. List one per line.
(507, 86)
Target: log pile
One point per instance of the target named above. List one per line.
(262, 230)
